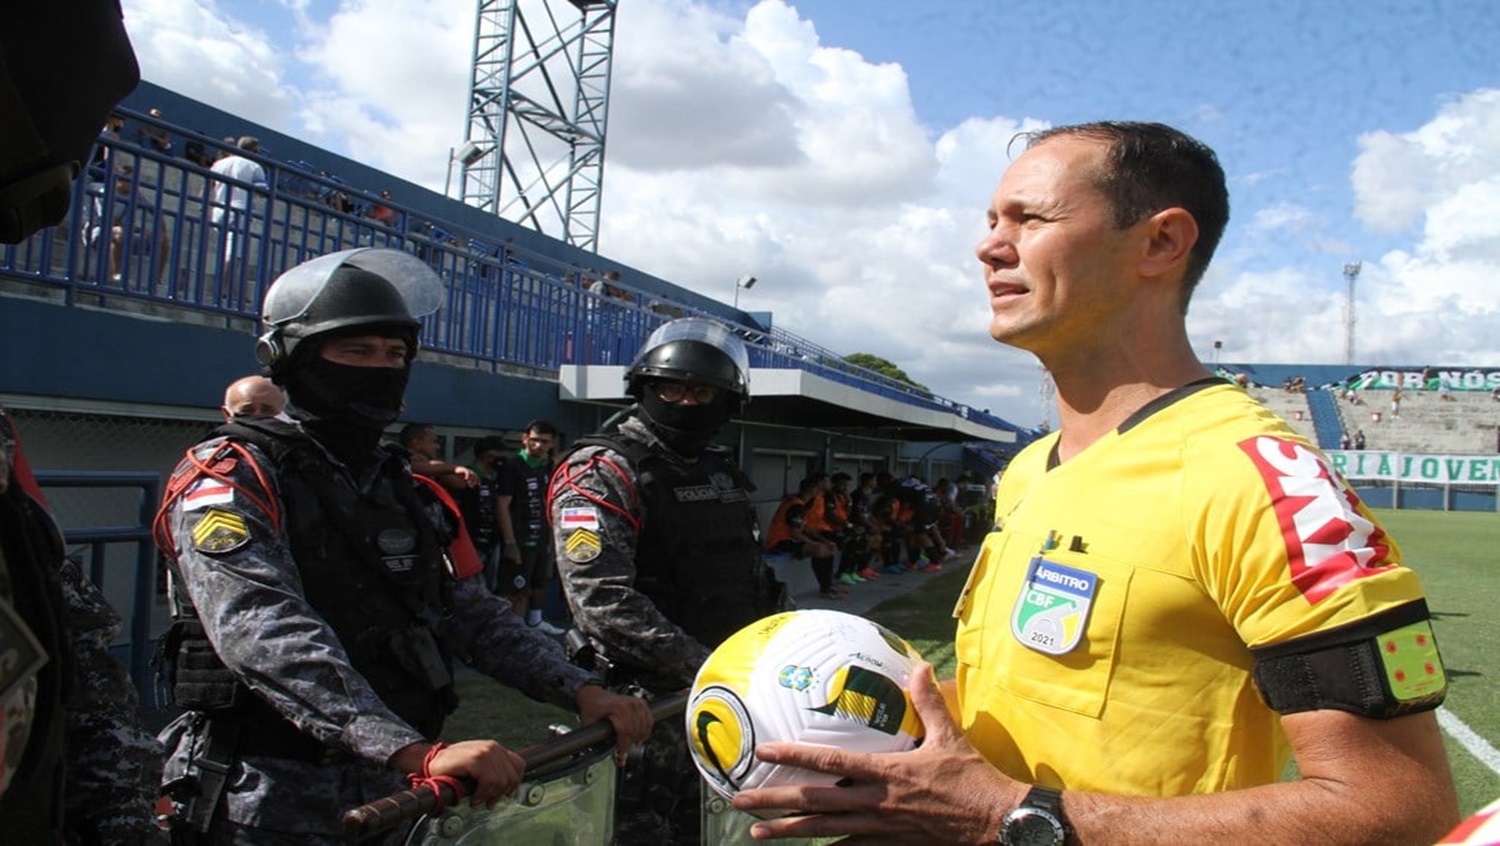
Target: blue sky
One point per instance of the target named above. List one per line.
(844, 151)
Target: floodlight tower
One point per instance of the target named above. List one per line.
(1351, 273)
(538, 108)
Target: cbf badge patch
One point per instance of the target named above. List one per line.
(1053, 607)
(218, 532)
(580, 527)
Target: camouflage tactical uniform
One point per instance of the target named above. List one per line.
(113, 763)
(601, 526)
(237, 568)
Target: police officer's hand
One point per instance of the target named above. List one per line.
(469, 477)
(495, 770)
(512, 553)
(630, 716)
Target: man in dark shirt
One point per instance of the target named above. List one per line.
(526, 565)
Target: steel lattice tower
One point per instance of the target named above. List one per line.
(538, 105)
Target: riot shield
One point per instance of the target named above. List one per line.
(724, 826)
(573, 804)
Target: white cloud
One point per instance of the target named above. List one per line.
(391, 78)
(1397, 178)
(745, 144)
(198, 49)
(1435, 299)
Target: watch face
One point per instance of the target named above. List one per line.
(1030, 827)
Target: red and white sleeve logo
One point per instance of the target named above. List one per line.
(1328, 542)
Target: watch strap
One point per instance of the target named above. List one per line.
(1044, 798)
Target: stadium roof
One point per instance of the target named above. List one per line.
(801, 399)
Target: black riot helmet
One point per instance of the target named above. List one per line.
(378, 289)
(693, 349)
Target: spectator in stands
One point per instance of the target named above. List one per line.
(1359, 439)
(198, 153)
(131, 223)
(154, 138)
(1495, 394)
(253, 396)
(1445, 393)
(421, 440)
(1345, 441)
(231, 201)
(332, 196)
(1396, 402)
(615, 291)
(100, 166)
(384, 214)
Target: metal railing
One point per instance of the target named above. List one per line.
(149, 227)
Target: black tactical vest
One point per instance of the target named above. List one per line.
(371, 564)
(698, 556)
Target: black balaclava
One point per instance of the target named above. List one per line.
(346, 408)
(686, 429)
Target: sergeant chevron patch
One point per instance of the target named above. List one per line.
(582, 545)
(219, 532)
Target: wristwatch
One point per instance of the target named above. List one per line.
(1037, 822)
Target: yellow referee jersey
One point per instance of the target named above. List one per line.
(1103, 637)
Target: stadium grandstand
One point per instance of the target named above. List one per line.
(1429, 435)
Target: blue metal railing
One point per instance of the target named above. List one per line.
(148, 226)
(99, 539)
(1327, 424)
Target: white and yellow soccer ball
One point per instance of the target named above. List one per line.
(818, 677)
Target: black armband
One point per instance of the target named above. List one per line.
(1383, 666)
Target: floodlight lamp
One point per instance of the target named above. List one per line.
(746, 282)
(470, 153)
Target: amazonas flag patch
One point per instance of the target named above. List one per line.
(206, 493)
(581, 540)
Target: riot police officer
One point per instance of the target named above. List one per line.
(321, 597)
(658, 550)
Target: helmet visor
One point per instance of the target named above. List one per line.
(704, 331)
(295, 291)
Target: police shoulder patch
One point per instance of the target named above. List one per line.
(218, 532)
(582, 545)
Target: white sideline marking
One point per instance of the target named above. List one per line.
(1477, 746)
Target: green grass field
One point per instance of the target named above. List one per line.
(1451, 552)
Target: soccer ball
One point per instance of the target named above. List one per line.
(818, 677)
